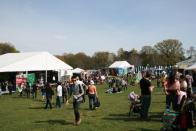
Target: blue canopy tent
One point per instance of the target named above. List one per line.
(120, 68)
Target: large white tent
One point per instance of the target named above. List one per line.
(121, 64)
(32, 61)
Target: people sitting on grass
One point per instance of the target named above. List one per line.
(113, 90)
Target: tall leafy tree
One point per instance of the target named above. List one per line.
(134, 57)
(6, 47)
(80, 60)
(146, 54)
(102, 59)
(121, 54)
(170, 50)
(149, 56)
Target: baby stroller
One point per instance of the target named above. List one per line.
(135, 104)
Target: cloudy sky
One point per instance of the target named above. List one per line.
(88, 26)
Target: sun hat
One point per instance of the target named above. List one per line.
(92, 82)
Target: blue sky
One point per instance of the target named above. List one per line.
(72, 26)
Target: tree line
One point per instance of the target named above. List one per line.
(166, 52)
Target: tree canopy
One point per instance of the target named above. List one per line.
(170, 51)
(7, 48)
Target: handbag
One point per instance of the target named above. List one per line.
(97, 103)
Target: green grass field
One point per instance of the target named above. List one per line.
(27, 114)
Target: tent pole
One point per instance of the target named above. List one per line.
(46, 76)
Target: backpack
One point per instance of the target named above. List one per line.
(80, 99)
(80, 88)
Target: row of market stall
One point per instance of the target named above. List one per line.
(42, 67)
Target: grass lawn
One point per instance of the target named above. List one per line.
(18, 113)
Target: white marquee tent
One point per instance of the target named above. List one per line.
(121, 64)
(32, 61)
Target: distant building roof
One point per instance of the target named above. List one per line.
(185, 64)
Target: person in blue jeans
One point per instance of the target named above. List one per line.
(59, 95)
(92, 95)
(146, 89)
(77, 92)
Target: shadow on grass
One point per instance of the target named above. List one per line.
(156, 116)
(27, 98)
(20, 97)
(36, 107)
(142, 129)
(153, 116)
(122, 117)
(54, 122)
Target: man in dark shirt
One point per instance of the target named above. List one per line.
(49, 93)
(146, 89)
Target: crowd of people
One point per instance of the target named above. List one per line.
(179, 95)
(177, 88)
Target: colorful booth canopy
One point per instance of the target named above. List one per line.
(120, 67)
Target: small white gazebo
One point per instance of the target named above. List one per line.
(78, 70)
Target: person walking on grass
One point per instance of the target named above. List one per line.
(34, 91)
(49, 93)
(92, 95)
(59, 95)
(77, 92)
(65, 92)
(146, 89)
(28, 90)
